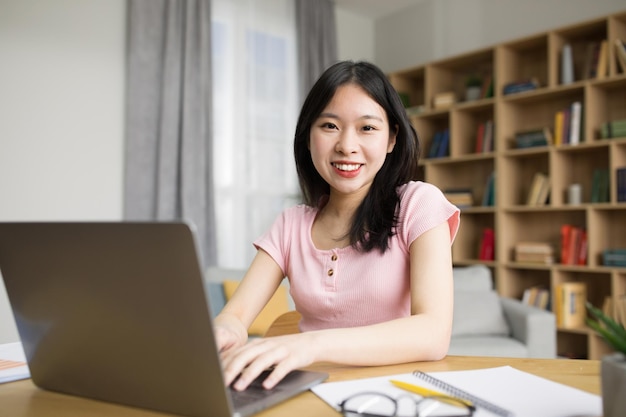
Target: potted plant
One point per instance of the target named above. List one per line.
(613, 368)
(473, 87)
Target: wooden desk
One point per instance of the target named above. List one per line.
(23, 399)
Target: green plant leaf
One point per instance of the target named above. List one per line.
(615, 327)
(612, 332)
(615, 342)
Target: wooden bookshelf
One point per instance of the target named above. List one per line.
(603, 99)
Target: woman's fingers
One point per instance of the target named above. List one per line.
(252, 359)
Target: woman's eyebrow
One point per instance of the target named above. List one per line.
(364, 117)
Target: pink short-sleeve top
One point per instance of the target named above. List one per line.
(344, 287)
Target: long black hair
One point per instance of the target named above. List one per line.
(375, 219)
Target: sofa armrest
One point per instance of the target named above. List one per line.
(535, 327)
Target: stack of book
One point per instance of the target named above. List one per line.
(614, 257)
(534, 252)
(573, 245)
(539, 190)
(460, 197)
(532, 138)
(520, 86)
(569, 304)
(444, 100)
(537, 296)
(613, 129)
(568, 124)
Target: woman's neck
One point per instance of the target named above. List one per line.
(332, 225)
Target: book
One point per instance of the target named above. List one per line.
(443, 148)
(480, 135)
(486, 90)
(460, 197)
(614, 257)
(489, 194)
(539, 190)
(575, 123)
(558, 127)
(520, 86)
(488, 137)
(534, 252)
(603, 60)
(433, 150)
(537, 296)
(487, 245)
(574, 249)
(567, 64)
(499, 386)
(567, 117)
(620, 53)
(613, 129)
(570, 304)
(444, 100)
(620, 180)
(600, 186)
(532, 138)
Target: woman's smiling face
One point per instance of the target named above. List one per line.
(350, 140)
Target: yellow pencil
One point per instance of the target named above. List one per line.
(426, 392)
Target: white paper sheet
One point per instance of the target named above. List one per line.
(13, 362)
(522, 393)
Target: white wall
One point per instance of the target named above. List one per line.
(61, 105)
(61, 114)
(355, 36)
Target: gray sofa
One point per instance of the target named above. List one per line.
(485, 324)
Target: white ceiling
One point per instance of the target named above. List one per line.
(375, 8)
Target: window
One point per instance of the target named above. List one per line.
(255, 107)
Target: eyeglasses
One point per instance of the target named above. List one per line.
(374, 404)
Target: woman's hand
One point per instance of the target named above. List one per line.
(284, 353)
(229, 332)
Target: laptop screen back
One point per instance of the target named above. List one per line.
(116, 312)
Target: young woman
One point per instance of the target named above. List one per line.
(367, 256)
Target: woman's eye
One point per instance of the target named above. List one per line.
(368, 128)
(329, 125)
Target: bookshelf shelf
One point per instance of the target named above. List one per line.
(534, 107)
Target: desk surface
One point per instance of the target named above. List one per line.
(23, 399)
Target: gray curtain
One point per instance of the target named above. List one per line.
(168, 116)
(317, 40)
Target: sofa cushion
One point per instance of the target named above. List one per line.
(487, 346)
(472, 278)
(478, 313)
(276, 306)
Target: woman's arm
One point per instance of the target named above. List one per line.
(254, 291)
(425, 335)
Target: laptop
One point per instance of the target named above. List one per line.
(117, 311)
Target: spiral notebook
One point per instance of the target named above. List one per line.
(500, 391)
